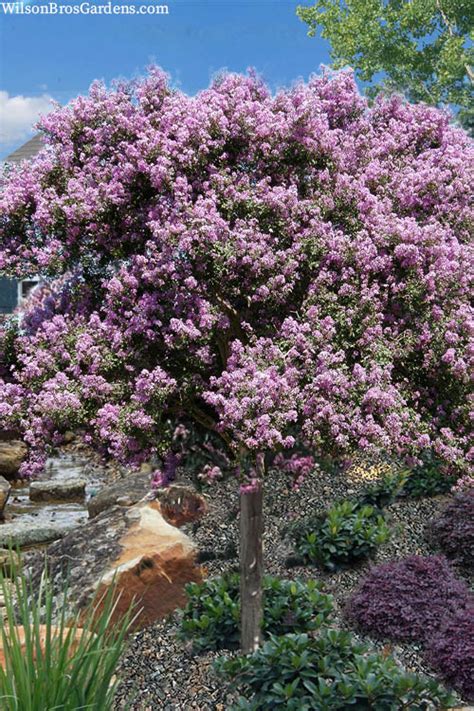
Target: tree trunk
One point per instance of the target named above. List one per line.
(251, 567)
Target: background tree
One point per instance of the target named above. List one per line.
(267, 272)
(422, 48)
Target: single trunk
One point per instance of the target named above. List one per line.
(251, 568)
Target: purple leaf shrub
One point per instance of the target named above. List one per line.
(267, 267)
(408, 599)
(453, 529)
(451, 651)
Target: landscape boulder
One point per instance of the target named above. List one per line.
(123, 492)
(5, 488)
(181, 503)
(147, 559)
(58, 490)
(12, 454)
(25, 533)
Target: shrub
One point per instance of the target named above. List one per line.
(55, 666)
(428, 479)
(328, 672)
(345, 533)
(451, 651)
(384, 491)
(453, 530)
(211, 617)
(407, 599)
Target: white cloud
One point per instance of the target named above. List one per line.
(18, 114)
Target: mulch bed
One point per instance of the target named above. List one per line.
(162, 673)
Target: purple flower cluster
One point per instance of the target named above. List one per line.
(297, 465)
(273, 268)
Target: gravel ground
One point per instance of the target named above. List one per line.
(163, 673)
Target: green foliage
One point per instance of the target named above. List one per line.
(423, 48)
(428, 479)
(211, 619)
(52, 669)
(385, 490)
(327, 672)
(345, 533)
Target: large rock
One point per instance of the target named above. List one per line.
(24, 533)
(5, 488)
(58, 490)
(43, 634)
(180, 503)
(150, 561)
(12, 455)
(124, 492)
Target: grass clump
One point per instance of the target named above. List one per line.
(54, 659)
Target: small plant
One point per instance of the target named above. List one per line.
(428, 479)
(211, 617)
(384, 491)
(52, 659)
(451, 651)
(327, 672)
(408, 599)
(345, 533)
(453, 530)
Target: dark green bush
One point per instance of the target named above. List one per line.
(385, 490)
(327, 672)
(428, 479)
(211, 617)
(345, 533)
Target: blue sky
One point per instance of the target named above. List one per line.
(59, 56)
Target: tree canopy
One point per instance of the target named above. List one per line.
(423, 48)
(275, 270)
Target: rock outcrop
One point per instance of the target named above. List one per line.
(5, 488)
(123, 492)
(12, 454)
(180, 503)
(58, 490)
(149, 561)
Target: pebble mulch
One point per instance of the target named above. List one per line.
(162, 673)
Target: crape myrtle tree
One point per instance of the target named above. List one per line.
(285, 272)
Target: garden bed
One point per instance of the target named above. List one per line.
(165, 673)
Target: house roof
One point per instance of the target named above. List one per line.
(27, 151)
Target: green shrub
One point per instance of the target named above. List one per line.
(51, 669)
(211, 618)
(327, 672)
(345, 533)
(428, 479)
(384, 491)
